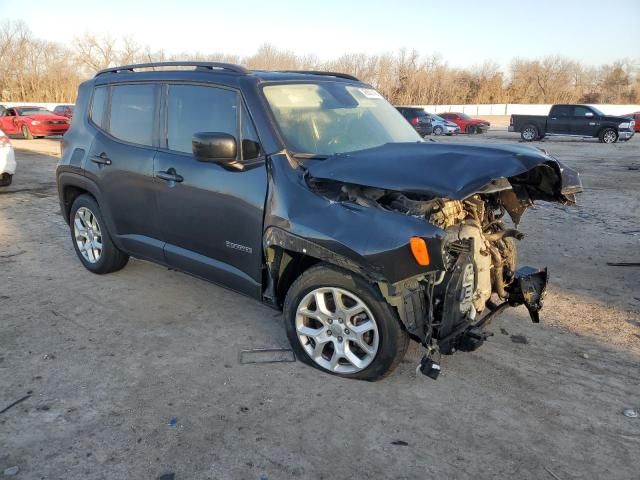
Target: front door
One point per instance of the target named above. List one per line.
(9, 122)
(121, 162)
(211, 218)
(584, 121)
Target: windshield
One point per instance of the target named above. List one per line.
(329, 118)
(439, 119)
(465, 116)
(33, 111)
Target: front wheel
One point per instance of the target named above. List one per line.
(472, 130)
(26, 134)
(438, 131)
(608, 135)
(337, 322)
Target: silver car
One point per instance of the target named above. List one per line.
(442, 126)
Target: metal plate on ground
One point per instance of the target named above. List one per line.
(266, 355)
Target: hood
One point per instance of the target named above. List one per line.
(45, 116)
(451, 171)
(621, 119)
(478, 120)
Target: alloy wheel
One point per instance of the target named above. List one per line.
(337, 330)
(529, 133)
(609, 136)
(87, 233)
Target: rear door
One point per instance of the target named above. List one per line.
(211, 218)
(560, 119)
(120, 161)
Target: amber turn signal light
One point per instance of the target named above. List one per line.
(420, 250)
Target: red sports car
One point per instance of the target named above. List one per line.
(466, 123)
(636, 117)
(32, 122)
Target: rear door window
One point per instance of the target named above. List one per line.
(133, 113)
(195, 108)
(562, 111)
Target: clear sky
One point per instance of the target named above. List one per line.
(464, 32)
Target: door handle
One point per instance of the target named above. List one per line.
(170, 176)
(101, 159)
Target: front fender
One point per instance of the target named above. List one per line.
(370, 241)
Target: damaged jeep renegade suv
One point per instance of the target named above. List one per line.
(311, 193)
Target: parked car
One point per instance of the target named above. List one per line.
(636, 119)
(418, 118)
(7, 161)
(32, 122)
(64, 111)
(466, 123)
(309, 192)
(574, 121)
(442, 126)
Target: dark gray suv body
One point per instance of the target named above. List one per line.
(309, 192)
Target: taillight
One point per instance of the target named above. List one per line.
(5, 142)
(511, 121)
(415, 120)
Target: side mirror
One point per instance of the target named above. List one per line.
(588, 114)
(215, 147)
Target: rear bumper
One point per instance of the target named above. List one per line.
(7, 160)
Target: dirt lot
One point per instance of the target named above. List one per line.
(107, 361)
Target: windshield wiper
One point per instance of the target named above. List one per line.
(310, 156)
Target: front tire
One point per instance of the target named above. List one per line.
(91, 239)
(608, 135)
(438, 131)
(472, 130)
(26, 133)
(338, 322)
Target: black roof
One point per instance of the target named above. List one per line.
(228, 68)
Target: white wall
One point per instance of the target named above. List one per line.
(48, 106)
(521, 109)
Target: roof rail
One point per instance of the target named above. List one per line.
(199, 65)
(320, 72)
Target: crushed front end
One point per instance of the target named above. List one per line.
(446, 308)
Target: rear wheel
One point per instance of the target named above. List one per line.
(472, 130)
(92, 240)
(608, 135)
(529, 133)
(337, 322)
(26, 134)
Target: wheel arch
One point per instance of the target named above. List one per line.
(288, 256)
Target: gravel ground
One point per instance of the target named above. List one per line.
(106, 362)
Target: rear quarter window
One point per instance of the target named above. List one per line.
(98, 106)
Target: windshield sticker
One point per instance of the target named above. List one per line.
(370, 93)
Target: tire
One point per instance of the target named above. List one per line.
(608, 135)
(85, 214)
(472, 130)
(381, 331)
(438, 130)
(5, 179)
(26, 134)
(529, 133)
